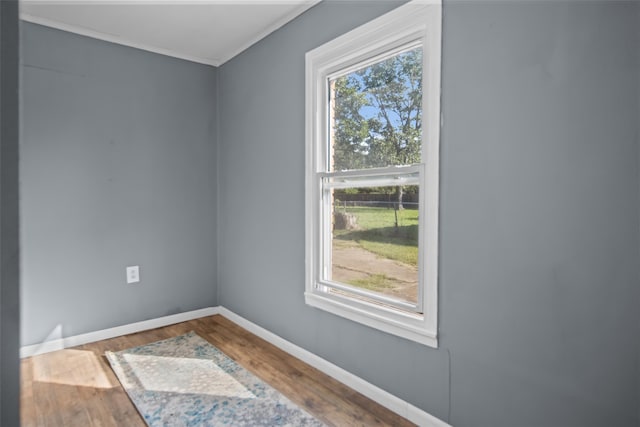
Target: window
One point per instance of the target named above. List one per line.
(372, 157)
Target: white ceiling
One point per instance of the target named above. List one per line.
(205, 31)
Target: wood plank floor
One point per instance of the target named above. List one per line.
(76, 387)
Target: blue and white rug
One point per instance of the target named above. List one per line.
(186, 381)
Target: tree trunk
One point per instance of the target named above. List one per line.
(399, 193)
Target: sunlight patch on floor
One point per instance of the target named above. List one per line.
(184, 375)
(72, 367)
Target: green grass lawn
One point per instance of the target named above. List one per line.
(375, 282)
(377, 233)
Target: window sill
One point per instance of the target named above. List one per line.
(409, 329)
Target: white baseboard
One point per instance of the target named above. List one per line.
(386, 399)
(66, 342)
(395, 404)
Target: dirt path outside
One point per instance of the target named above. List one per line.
(359, 267)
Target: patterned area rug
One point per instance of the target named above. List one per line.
(185, 381)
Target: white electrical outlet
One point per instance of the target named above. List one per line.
(133, 274)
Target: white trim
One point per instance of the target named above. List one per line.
(431, 119)
(375, 393)
(72, 341)
(369, 318)
(417, 22)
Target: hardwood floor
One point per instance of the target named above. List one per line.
(76, 387)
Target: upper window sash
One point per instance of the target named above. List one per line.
(390, 52)
(343, 59)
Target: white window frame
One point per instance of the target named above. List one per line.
(416, 21)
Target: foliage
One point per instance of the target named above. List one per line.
(378, 114)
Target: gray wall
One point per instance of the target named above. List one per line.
(9, 221)
(118, 168)
(539, 213)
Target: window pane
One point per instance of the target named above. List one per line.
(374, 243)
(376, 114)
